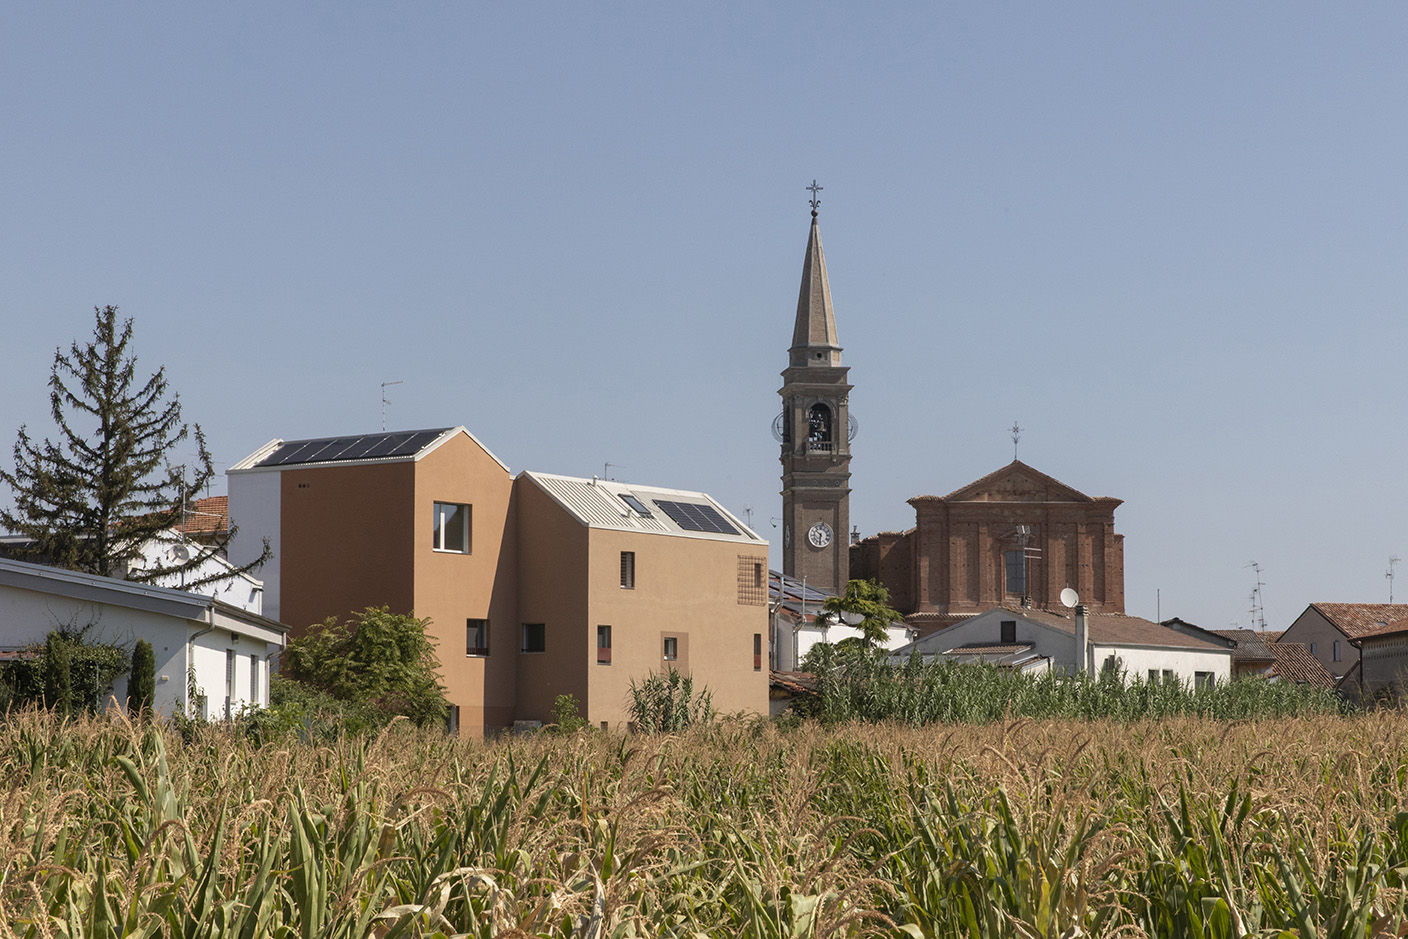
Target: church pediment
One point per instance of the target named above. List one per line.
(1017, 482)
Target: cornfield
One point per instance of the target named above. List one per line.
(1177, 827)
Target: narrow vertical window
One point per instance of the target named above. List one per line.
(1335, 651)
(1016, 580)
(254, 680)
(603, 645)
(476, 637)
(672, 648)
(757, 652)
(229, 683)
(451, 527)
(758, 574)
(628, 570)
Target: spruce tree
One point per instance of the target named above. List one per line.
(92, 499)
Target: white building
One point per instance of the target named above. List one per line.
(798, 621)
(1038, 640)
(212, 657)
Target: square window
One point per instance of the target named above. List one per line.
(535, 637)
(451, 526)
(628, 570)
(476, 637)
(1202, 680)
(603, 645)
(672, 648)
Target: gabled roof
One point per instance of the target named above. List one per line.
(1015, 482)
(1252, 646)
(1356, 620)
(608, 504)
(1118, 629)
(211, 513)
(384, 447)
(1295, 663)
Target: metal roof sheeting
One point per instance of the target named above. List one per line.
(598, 503)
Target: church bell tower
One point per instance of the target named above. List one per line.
(815, 430)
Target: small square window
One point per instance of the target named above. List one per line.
(451, 527)
(535, 638)
(1203, 680)
(628, 570)
(476, 637)
(672, 649)
(603, 645)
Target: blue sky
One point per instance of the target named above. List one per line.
(1169, 240)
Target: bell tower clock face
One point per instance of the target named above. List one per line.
(819, 535)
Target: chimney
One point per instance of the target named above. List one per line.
(1082, 640)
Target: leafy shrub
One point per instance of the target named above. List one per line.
(566, 714)
(141, 686)
(666, 703)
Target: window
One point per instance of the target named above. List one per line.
(1335, 651)
(636, 504)
(603, 645)
(628, 570)
(1312, 648)
(819, 425)
(229, 683)
(254, 679)
(1168, 674)
(452, 527)
(535, 637)
(1202, 680)
(672, 648)
(1153, 675)
(757, 652)
(1009, 630)
(476, 637)
(1016, 581)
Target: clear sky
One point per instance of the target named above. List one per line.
(1167, 239)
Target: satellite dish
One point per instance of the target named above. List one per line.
(853, 619)
(1069, 597)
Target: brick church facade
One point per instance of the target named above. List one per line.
(1016, 536)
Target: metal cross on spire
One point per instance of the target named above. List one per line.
(1016, 436)
(814, 189)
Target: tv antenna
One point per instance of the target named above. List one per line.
(606, 469)
(1389, 574)
(1258, 611)
(385, 402)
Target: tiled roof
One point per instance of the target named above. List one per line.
(1252, 646)
(1118, 629)
(1361, 619)
(1391, 627)
(1295, 663)
(208, 514)
(793, 682)
(991, 649)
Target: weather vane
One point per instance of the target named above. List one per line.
(1016, 436)
(814, 189)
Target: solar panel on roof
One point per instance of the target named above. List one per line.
(360, 447)
(692, 516)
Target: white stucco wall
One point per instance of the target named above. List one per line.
(794, 644)
(255, 512)
(1183, 663)
(238, 590)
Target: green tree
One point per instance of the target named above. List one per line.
(141, 686)
(91, 500)
(378, 657)
(58, 675)
(869, 604)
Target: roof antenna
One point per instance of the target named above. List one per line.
(1016, 432)
(1258, 599)
(1389, 574)
(385, 402)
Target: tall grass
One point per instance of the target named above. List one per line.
(1178, 827)
(867, 687)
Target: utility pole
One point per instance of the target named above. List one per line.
(1389, 574)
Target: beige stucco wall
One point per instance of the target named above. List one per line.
(1311, 627)
(451, 588)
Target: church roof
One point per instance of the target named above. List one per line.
(1016, 482)
(815, 329)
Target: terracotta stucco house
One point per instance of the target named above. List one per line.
(522, 577)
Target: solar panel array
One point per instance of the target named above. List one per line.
(691, 516)
(343, 449)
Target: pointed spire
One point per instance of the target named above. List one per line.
(814, 335)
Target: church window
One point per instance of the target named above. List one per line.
(1016, 579)
(819, 424)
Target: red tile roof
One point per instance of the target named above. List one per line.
(1252, 646)
(1116, 628)
(1361, 619)
(209, 514)
(1295, 663)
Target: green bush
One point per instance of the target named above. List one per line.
(667, 703)
(141, 685)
